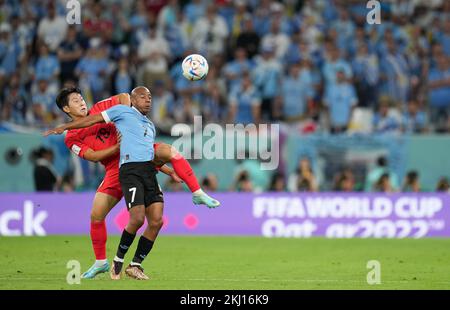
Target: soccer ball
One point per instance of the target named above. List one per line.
(195, 67)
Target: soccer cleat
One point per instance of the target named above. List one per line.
(204, 199)
(95, 270)
(136, 272)
(116, 270)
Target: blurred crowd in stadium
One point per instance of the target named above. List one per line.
(312, 66)
(298, 62)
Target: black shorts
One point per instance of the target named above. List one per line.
(139, 184)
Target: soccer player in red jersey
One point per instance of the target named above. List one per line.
(100, 143)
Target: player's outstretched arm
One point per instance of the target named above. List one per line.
(96, 156)
(80, 123)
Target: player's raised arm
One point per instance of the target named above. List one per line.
(124, 99)
(79, 123)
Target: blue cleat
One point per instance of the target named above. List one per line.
(203, 199)
(95, 270)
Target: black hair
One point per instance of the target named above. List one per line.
(412, 176)
(243, 176)
(382, 178)
(382, 161)
(443, 185)
(275, 177)
(62, 99)
(206, 182)
(40, 152)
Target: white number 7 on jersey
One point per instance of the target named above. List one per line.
(133, 189)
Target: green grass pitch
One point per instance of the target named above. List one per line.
(234, 263)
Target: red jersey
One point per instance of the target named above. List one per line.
(97, 137)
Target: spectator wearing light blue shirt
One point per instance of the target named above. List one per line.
(93, 68)
(267, 77)
(234, 69)
(14, 106)
(138, 23)
(333, 64)
(297, 90)
(359, 39)
(330, 11)
(194, 10)
(22, 32)
(340, 100)
(384, 122)
(47, 66)
(176, 35)
(261, 18)
(277, 39)
(44, 109)
(122, 79)
(245, 103)
(395, 73)
(344, 27)
(287, 24)
(296, 50)
(185, 87)
(366, 75)
(10, 51)
(414, 119)
(439, 93)
(443, 35)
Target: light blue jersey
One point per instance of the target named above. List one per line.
(138, 133)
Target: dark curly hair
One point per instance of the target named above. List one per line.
(62, 99)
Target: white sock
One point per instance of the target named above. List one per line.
(100, 262)
(134, 264)
(117, 259)
(198, 192)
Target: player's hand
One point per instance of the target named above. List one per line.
(175, 177)
(56, 131)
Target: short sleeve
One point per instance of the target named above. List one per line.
(113, 114)
(75, 145)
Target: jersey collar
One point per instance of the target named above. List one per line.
(137, 111)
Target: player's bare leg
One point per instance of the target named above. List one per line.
(137, 219)
(154, 215)
(165, 153)
(102, 205)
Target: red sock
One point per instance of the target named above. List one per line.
(98, 237)
(184, 170)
